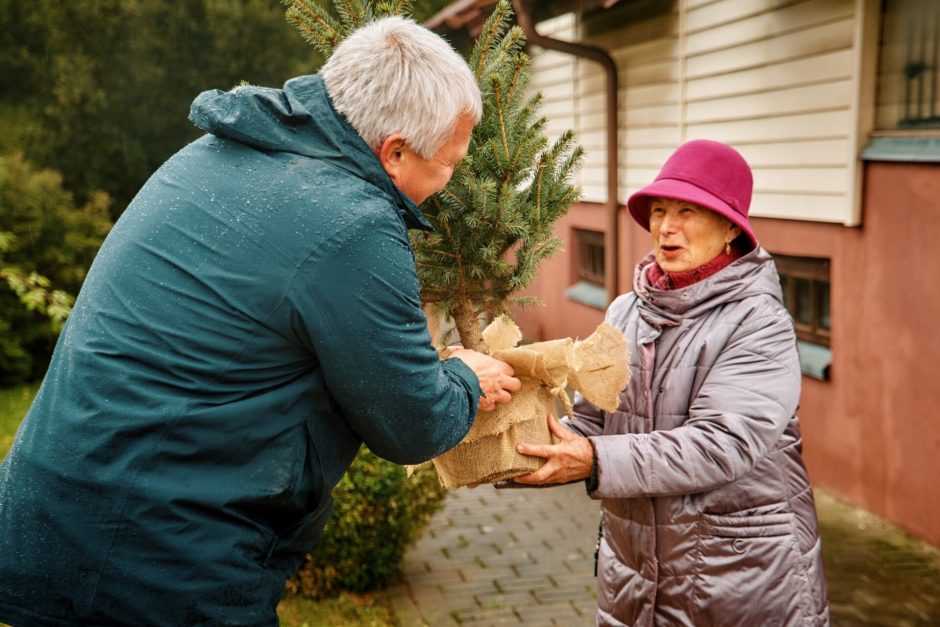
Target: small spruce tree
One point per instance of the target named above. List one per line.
(493, 221)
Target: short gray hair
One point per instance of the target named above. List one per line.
(394, 76)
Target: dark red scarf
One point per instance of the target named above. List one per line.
(676, 280)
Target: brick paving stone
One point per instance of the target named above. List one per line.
(556, 595)
(488, 616)
(524, 570)
(498, 600)
(508, 557)
(523, 585)
(554, 614)
(438, 578)
(473, 574)
(466, 590)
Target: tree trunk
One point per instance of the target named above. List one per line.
(468, 327)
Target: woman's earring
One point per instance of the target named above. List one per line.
(727, 248)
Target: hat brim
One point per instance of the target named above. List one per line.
(639, 203)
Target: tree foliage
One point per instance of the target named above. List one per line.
(100, 89)
(493, 221)
(45, 241)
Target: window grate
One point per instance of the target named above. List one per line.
(909, 65)
(921, 70)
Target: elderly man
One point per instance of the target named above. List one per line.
(253, 317)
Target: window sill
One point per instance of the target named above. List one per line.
(814, 360)
(901, 148)
(587, 294)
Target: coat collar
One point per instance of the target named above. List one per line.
(752, 273)
(299, 119)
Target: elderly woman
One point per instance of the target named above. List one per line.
(707, 512)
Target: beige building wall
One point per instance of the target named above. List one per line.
(776, 79)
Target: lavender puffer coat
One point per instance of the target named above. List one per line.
(707, 513)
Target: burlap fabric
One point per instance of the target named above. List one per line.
(597, 367)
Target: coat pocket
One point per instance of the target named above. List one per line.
(287, 549)
(748, 570)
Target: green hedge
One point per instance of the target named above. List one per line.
(378, 512)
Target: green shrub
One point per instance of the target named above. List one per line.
(378, 512)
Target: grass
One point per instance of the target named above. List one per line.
(367, 610)
(14, 402)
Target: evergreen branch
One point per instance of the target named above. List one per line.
(526, 301)
(493, 28)
(353, 14)
(448, 193)
(500, 115)
(436, 251)
(533, 142)
(316, 25)
(511, 44)
(398, 7)
(520, 78)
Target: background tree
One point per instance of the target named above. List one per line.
(100, 89)
(45, 240)
(493, 222)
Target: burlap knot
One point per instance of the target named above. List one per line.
(596, 366)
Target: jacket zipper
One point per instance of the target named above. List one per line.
(597, 545)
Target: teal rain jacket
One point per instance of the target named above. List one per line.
(251, 319)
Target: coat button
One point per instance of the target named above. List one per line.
(738, 545)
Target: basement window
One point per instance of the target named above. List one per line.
(588, 288)
(590, 256)
(806, 293)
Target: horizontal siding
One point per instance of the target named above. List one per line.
(821, 97)
(814, 153)
(718, 13)
(554, 75)
(830, 124)
(813, 207)
(762, 26)
(800, 44)
(657, 114)
(821, 68)
(774, 78)
(828, 181)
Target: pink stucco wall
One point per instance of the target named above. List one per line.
(871, 433)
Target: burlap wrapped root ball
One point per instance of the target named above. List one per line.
(597, 367)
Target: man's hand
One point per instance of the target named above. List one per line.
(495, 376)
(567, 461)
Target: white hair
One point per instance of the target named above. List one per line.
(394, 76)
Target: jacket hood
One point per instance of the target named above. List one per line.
(750, 275)
(298, 119)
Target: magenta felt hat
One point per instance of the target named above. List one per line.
(704, 172)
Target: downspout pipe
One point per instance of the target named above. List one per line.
(612, 236)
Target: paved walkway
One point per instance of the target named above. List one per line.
(510, 557)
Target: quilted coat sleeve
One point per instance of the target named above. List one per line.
(588, 419)
(358, 308)
(740, 411)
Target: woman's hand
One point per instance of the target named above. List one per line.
(495, 376)
(567, 461)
